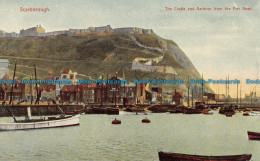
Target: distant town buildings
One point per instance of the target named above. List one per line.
(39, 31)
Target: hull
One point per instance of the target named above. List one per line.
(185, 157)
(69, 121)
(254, 114)
(192, 111)
(253, 135)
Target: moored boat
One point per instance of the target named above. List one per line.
(229, 115)
(186, 157)
(227, 110)
(51, 122)
(253, 135)
(146, 120)
(191, 111)
(253, 113)
(116, 121)
(245, 114)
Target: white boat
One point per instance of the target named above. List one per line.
(254, 113)
(51, 122)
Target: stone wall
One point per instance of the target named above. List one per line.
(39, 31)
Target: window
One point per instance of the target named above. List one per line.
(64, 76)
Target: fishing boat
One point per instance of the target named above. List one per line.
(51, 122)
(191, 111)
(227, 110)
(29, 123)
(186, 157)
(245, 114)
(253, 113)
(253, 135)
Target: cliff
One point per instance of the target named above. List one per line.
(94, 54)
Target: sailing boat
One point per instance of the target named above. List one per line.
(51, 122)
(29, 123)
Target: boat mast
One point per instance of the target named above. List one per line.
(188, 93)
(202, 89)
(107, 99)
(192, 97)
(37, 94)
(102, 92)
(31, 90)
(237, 93)
(240, 95)
(136, 93)
(228, 85)
(11, 97)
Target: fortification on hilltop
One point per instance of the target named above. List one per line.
(39, 31)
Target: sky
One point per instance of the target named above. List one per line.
(217, 42)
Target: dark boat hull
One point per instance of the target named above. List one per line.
(192, 111)
(185, 157)
(253, 135)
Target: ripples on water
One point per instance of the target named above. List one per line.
(97, 139)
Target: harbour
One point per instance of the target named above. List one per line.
(97, 139)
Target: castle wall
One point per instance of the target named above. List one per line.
(132, 30)
(39, 31)
(34, 31)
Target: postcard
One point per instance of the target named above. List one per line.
(107, 80)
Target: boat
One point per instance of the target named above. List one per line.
(253, 135)
(227, 110)
(229, 115)
(191, 111)
(112, 111)
(29, 123)
(176, 111)
(253, 113)
(51, 122)
(146, 120)
(245, 114)
(116, 121)
(186, 157)
(210, 112)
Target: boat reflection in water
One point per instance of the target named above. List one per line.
(186, 157)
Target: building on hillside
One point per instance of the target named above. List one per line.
(34, 31)
(2, 33)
